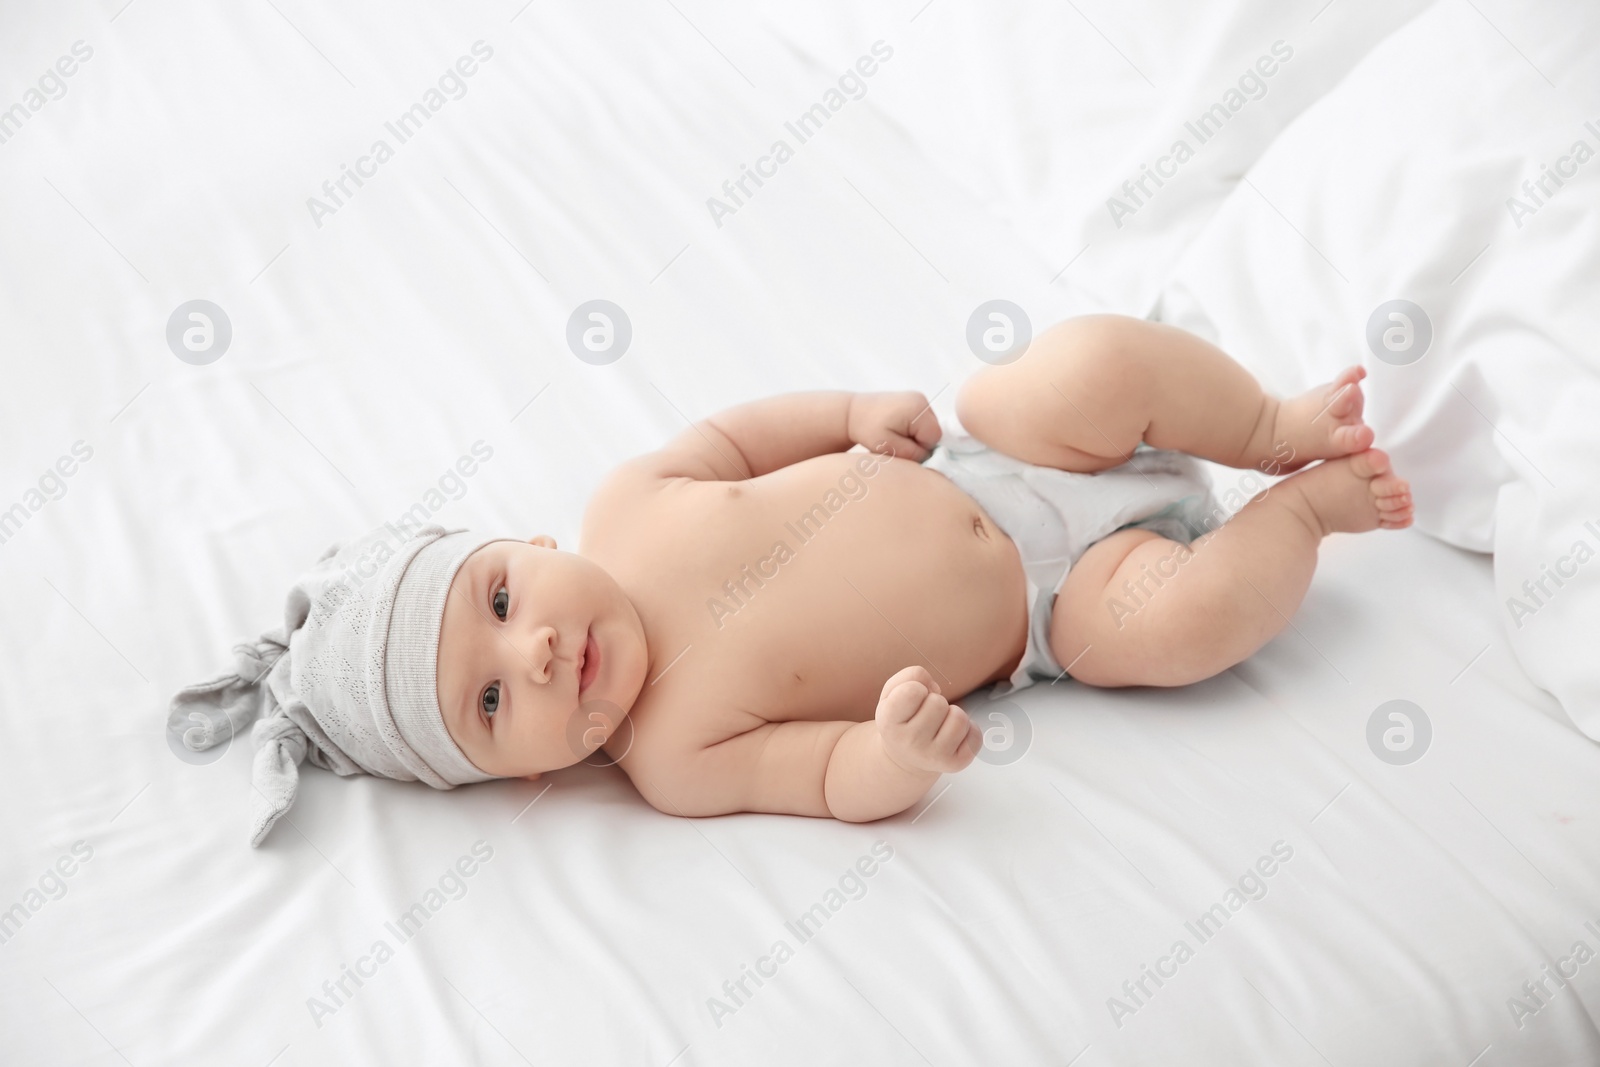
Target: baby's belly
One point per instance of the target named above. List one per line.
(842, 578)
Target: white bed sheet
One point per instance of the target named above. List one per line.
(426, 315)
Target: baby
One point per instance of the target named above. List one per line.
(763, 618)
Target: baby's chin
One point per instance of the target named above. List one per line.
(625, 659)
(595, 723)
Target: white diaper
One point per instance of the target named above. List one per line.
(1055, 515)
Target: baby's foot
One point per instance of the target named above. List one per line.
(1354, 494)
(1324, 423)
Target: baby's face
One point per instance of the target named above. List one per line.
(529, 634)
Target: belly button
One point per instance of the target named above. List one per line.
(979, 528)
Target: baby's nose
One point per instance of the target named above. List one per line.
(542, 652)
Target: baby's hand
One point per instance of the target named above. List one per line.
(902, 422)
(923, 732)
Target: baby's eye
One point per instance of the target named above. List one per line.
(490, 701)
(501, 602)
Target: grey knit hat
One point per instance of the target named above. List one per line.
(349, 680)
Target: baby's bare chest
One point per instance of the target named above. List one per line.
(796, 595)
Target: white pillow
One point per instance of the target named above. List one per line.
(1255, 65)
(1044, 109)
(1406, 182)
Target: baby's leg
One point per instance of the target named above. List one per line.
(1089, 389)
(1138, 609)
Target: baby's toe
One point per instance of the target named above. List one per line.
(1392, 497)
(1390, 485)
(1370, 464)
(1350, 375)
(1345, 399)
(1353, 438)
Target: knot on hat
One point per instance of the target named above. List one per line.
(207, 713)
(349, 680)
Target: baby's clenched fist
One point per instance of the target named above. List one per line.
(923, 732)
(899, 424)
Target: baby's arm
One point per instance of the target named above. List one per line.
(766, 435)
(853, 771)
(916, 732)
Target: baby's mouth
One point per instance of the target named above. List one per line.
(588, 662)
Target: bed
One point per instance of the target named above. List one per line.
(1374, 842)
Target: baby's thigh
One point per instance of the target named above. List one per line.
(1076, 400)
(1122, 621)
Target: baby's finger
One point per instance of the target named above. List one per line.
(969, 748)
(906, 447)
(930, 716)
(902, 704)
(915, 673)
(953, 731)
(925, 428)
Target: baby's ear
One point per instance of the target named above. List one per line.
(543, 541)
